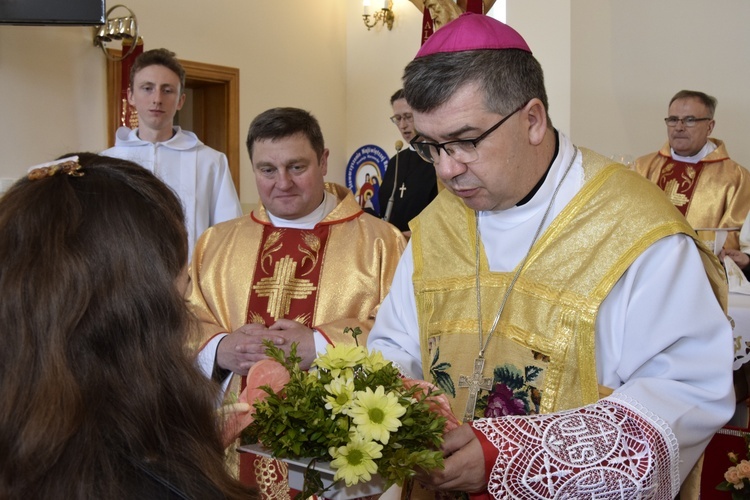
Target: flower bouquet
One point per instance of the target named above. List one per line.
(355, 410)
(737, 477)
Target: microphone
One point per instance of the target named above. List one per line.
(389, 207)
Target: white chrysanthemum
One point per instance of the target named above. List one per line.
(340, 357)
(355, 462)
(375, 361)
(376, 414)
(341, 395)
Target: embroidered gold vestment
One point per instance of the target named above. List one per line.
(542, 355)
(239, 271)
(713, 193)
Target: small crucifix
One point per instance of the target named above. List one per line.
(474, 383)
(402, 189)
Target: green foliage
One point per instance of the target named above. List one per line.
(532, 372)
(355, 332)
(439, 372)
(510, 376)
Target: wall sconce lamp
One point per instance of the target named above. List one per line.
(383, 15)
(117, 28)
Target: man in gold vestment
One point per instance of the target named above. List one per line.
(303, 266)
(695, 171)
(558, 299)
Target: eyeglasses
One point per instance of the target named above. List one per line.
(464, 150)
(407, 117)
(688, 121)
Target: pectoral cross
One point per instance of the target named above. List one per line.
(474, 383)
(402, 189)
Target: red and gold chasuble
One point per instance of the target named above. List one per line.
(713, 193)
(678, 180)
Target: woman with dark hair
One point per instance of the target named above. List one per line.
(100, 398)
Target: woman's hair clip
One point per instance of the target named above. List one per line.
(67, 165)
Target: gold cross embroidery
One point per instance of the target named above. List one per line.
(282, 287)
(672, 191)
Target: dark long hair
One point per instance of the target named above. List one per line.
(95, 380)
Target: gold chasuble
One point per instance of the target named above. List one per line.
(541, 358)
(713, 193)
(328, 278)
(331, 277)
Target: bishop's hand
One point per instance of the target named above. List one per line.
(464, 464)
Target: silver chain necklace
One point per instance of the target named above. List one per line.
(477, 381)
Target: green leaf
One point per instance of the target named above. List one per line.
(532, 372)
(444, 381)
(724, 486)
(510, 376)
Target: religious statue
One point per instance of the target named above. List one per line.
(437, 13)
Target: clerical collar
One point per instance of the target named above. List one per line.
(310, 220)
(708, 148)
(174, 133)
(534, 190)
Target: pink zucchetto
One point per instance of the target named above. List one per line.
(473, 32)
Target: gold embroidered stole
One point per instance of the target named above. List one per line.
(285, 285)
(542, 356)
(678, 180)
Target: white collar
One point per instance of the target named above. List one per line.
(310, 220)
(706, 150)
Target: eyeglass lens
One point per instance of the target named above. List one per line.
(405, 117)
(688, 121)
(463, 151)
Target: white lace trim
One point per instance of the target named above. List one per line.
(660, 424)
(608, 450)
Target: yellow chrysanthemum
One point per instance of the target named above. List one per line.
(340, 357)
(355, 462)
(376, 414)
(341, 395)
(375, 361)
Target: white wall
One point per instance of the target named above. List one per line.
(545, 25)
(52, 95)
(630, 57)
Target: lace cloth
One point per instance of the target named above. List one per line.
(608, 450)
